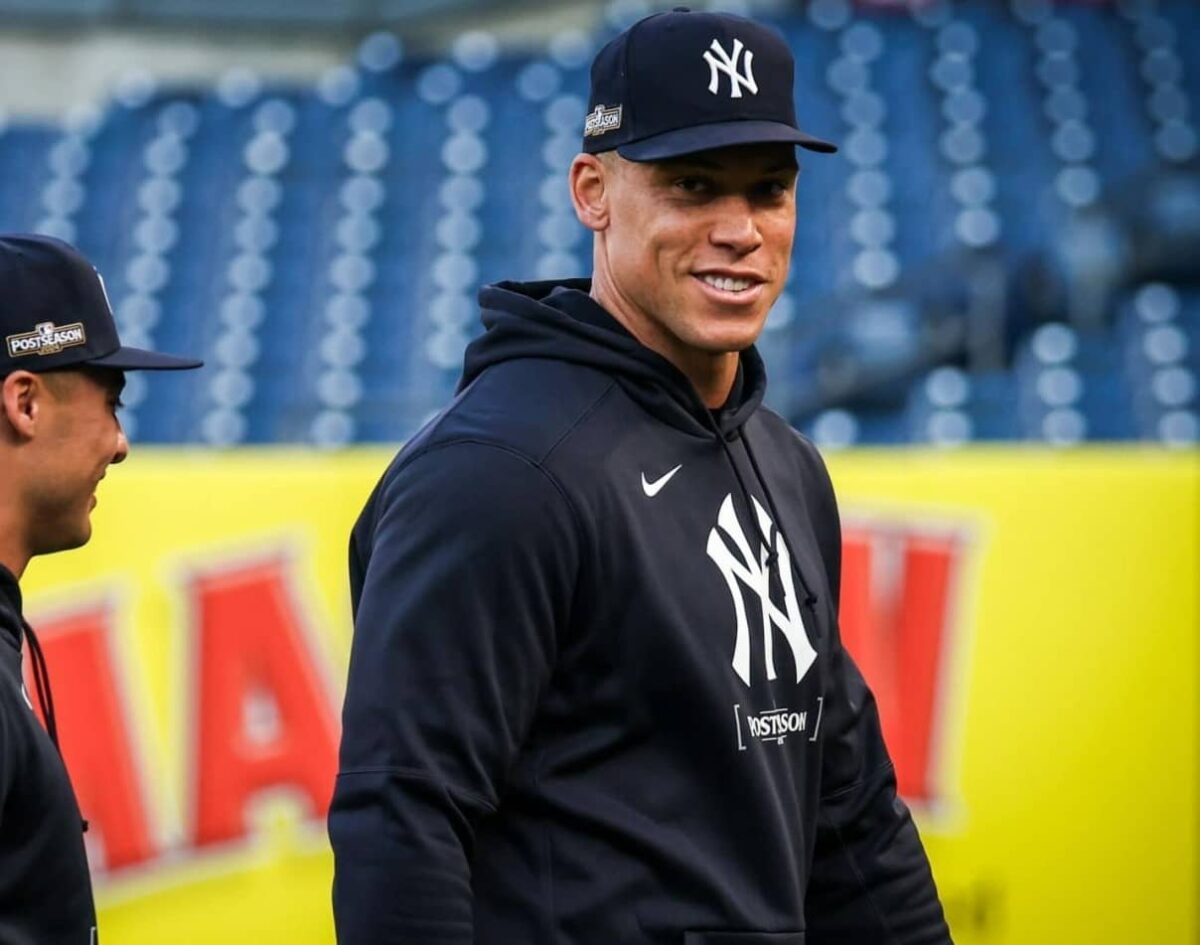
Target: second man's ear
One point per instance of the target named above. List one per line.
(20, 402)
(589, 181)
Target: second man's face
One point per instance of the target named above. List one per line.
(79, 437)
(699, 246)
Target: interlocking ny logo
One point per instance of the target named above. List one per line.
(749, 570)
(720, 61)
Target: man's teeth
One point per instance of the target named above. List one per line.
(727, 284)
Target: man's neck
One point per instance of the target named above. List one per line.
(712, 375)
(13, 554)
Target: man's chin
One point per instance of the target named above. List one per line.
(70, 539)
(722, 330)
(728, 338)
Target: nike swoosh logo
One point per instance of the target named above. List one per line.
(654, 488)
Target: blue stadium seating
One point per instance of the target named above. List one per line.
(321, 246)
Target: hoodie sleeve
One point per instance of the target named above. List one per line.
(870, 883)
(469, 570)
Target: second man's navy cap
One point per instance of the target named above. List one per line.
(680, 82)
(54, 313)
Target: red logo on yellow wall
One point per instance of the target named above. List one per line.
(900, 615)
(261, 716)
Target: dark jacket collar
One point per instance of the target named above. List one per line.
(560, 321)
(10, 607)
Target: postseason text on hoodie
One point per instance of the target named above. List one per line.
(597, 694)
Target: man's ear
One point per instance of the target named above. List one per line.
(21, 396)
(590, 179)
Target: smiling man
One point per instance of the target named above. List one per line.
(597, 691)
(62, 369)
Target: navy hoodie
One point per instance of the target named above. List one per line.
(45, 889)
(596, 693)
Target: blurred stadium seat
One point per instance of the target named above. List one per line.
(322, 245)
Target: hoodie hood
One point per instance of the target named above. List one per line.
(10, 607)
(558, 320)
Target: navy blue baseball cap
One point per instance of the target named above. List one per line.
(680, 82)
(54, 313)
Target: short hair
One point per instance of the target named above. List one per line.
(610, 159)
(61, 383)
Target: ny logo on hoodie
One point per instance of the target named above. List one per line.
(744, 570)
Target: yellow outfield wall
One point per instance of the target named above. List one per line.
(1030, 622)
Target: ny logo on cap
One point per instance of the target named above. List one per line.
(724, 62)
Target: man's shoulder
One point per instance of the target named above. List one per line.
(527, 405)
(783, 437)
(483, 462)
(523, 409)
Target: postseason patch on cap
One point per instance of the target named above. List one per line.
(46, 338)
(602, 120)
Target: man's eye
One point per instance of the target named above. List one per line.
(692, 185)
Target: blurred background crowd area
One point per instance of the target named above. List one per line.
(309, 194)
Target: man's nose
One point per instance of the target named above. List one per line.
(737, 227)
(122, 449)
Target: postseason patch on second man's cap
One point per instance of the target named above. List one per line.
(45, 339)
(601, 120)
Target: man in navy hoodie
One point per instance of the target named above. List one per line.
(597, 694)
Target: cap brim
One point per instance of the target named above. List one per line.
(136, 359)
(724, 134)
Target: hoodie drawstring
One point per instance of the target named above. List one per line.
(810, 598)
(41, 682)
